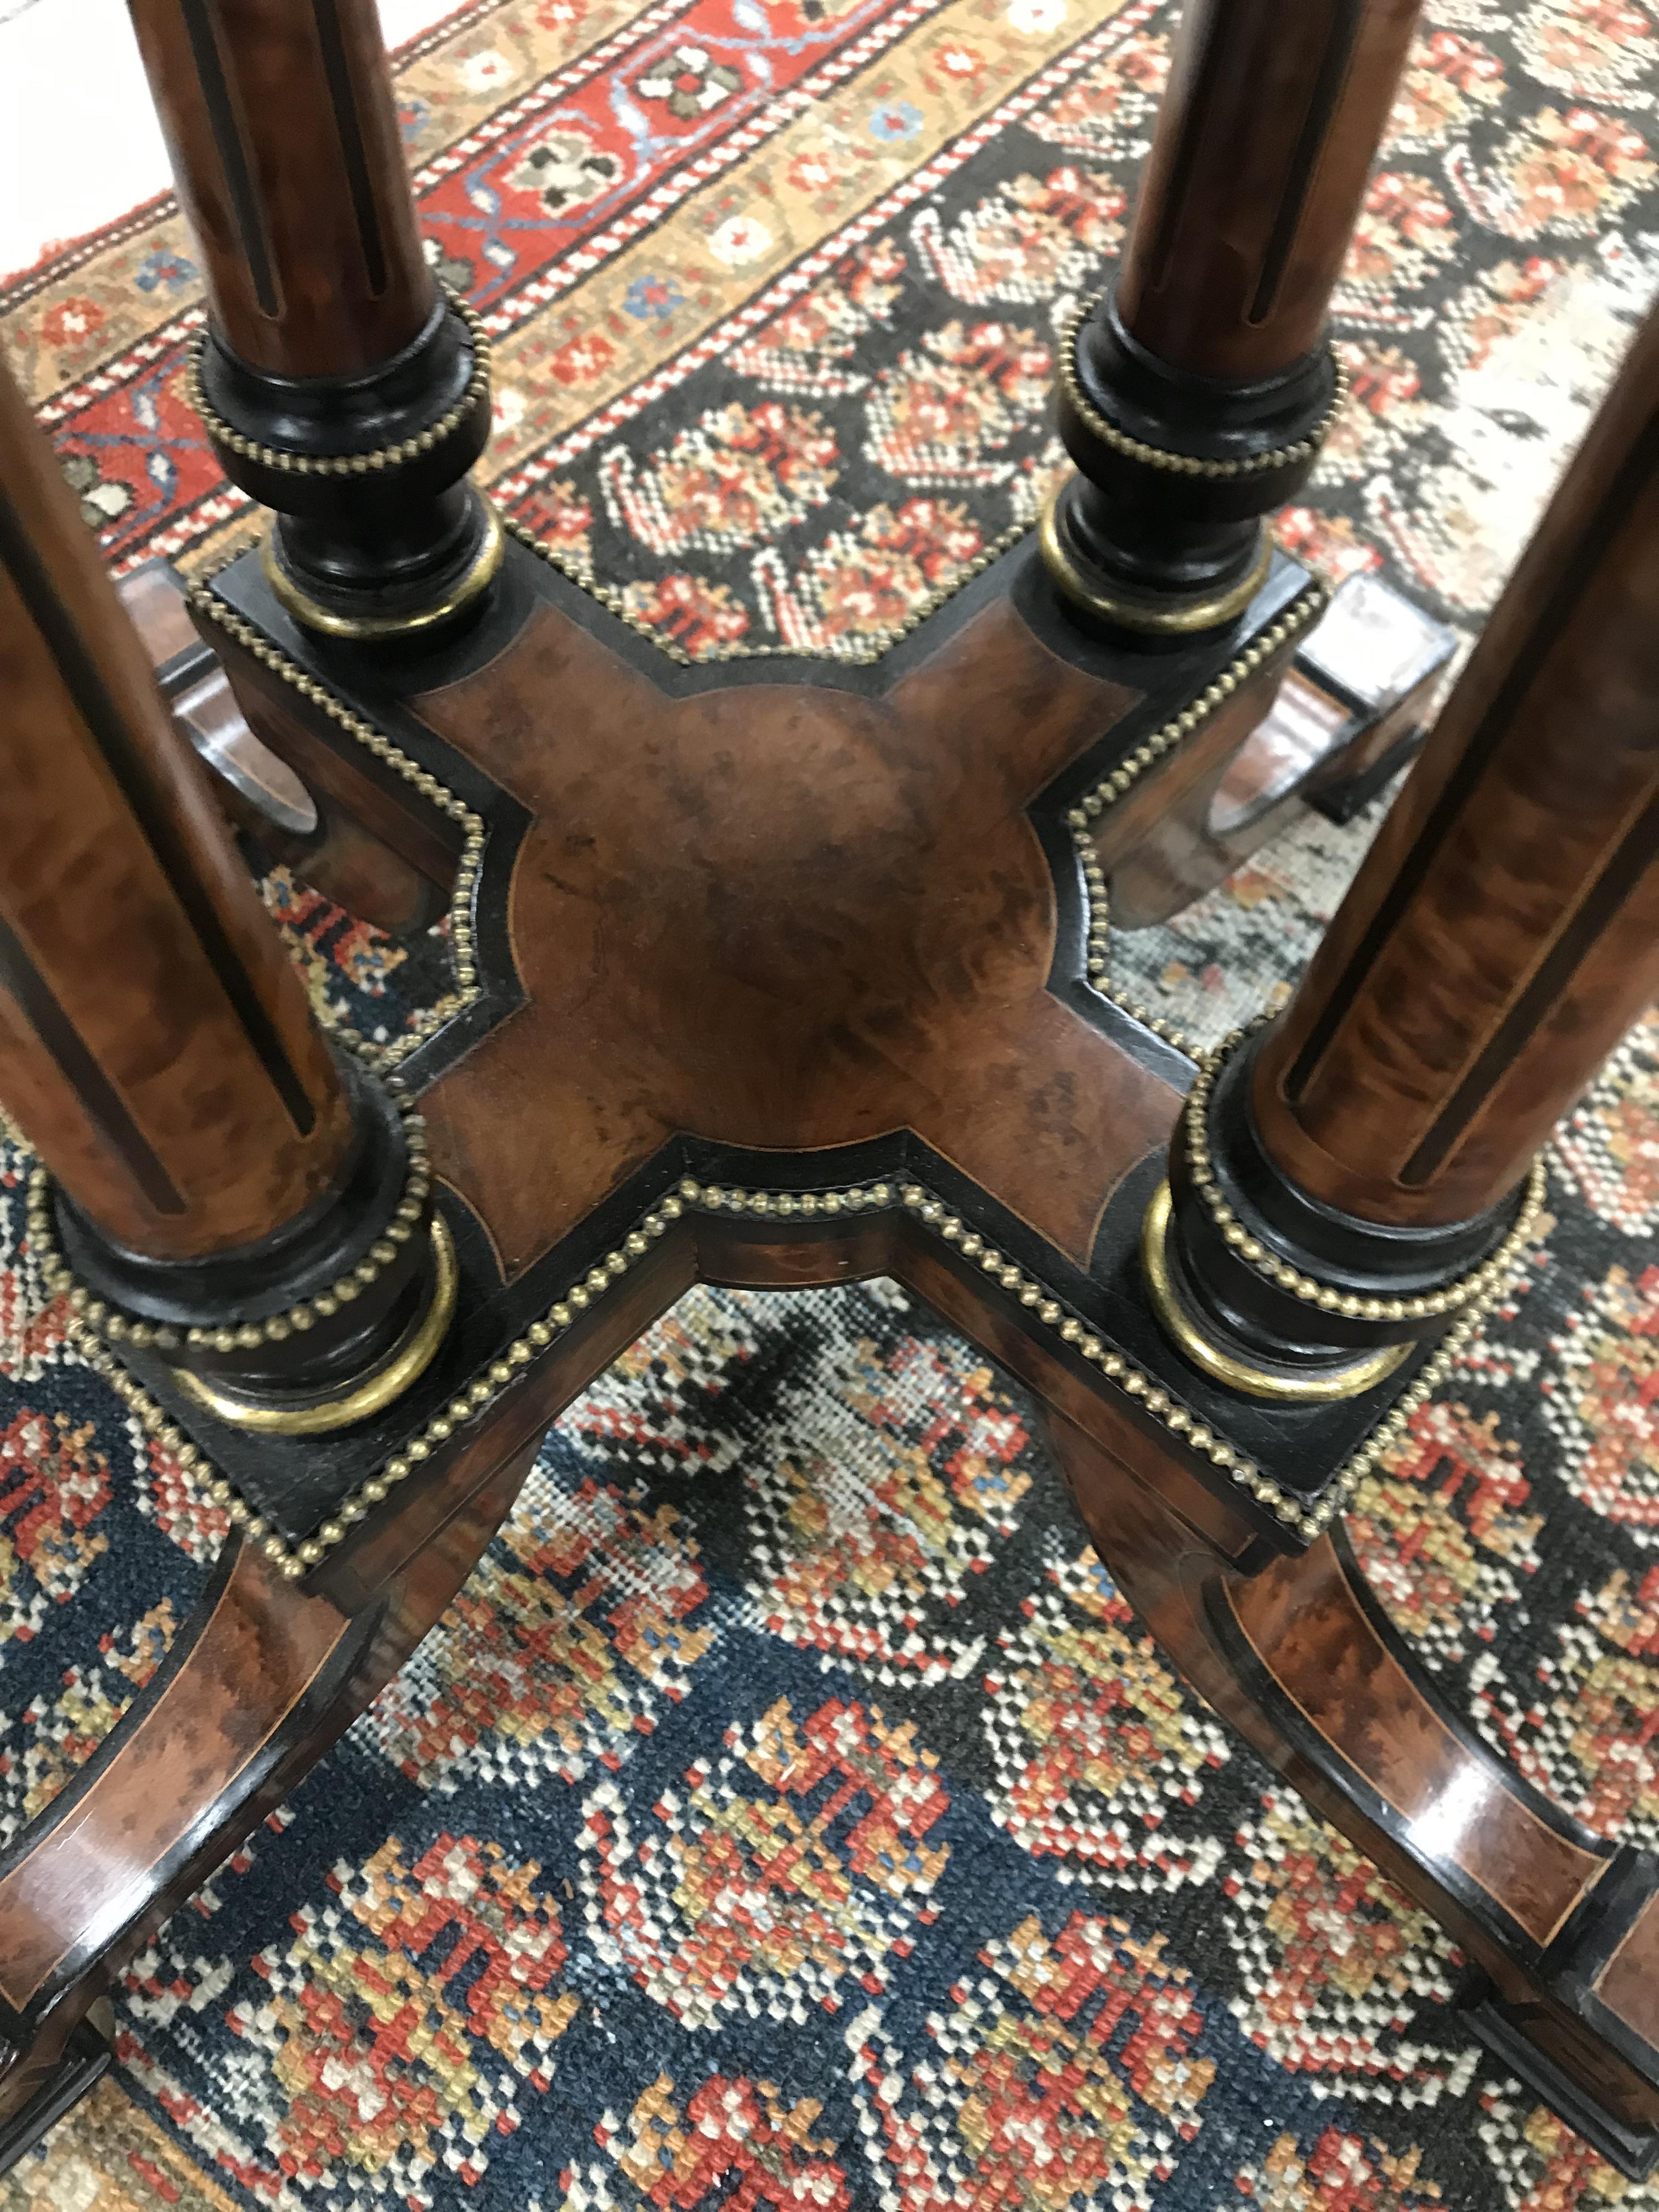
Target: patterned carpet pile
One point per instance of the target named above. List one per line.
(790, 1812)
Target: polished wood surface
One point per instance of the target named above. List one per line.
(783, 912)
(803, 928)
(284, 138)
(1264, 142)
(159, 1047)
(1157, 844)
(1302, 1621)
(1503, 930)
(261, 1681)
(250, 1662)
(1302, 1661)
(806, 923)
(418, 846)
(1629, 1983)
(337, 855)
(795, 921)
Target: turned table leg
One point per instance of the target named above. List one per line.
(1343, 1175)
(1195, 396)
(1345, 1179)
(229, 1192)
(236, 1198)
(338, 386)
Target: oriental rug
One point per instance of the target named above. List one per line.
(790, 1813)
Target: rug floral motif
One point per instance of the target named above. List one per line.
(790, 1811)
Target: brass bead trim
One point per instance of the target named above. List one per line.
(408, 1362)
(294, 1320)
(1293, 1511)
(293, 1561)
(1070, 1328)
(786, 1205)
(1478, 1283)
(469, 1404)
(345, 465)
(1317, 1387)
(1164, 457)
(862, 656)
(205, 601)
(1302, 613)
(1073, 1331)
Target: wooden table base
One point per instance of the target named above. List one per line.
(1559, 1927)
(779, 973)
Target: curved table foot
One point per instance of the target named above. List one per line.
(263, 1679)
(45, 2089)
(1561, 1927)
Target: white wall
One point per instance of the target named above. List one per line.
(79, 143)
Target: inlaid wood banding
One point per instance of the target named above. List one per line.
(1560, 1926)
(1504, 931)
(159, 1048)
(1264, 142)
(284, 141)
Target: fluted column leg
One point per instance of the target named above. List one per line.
(1340, 1181)
(338, 386)
(1195, 398)
(219, 1172)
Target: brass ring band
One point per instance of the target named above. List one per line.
(1164, 457)
(1178, 619)
(1224, 1367)
(407, 1362)
(311, 615)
